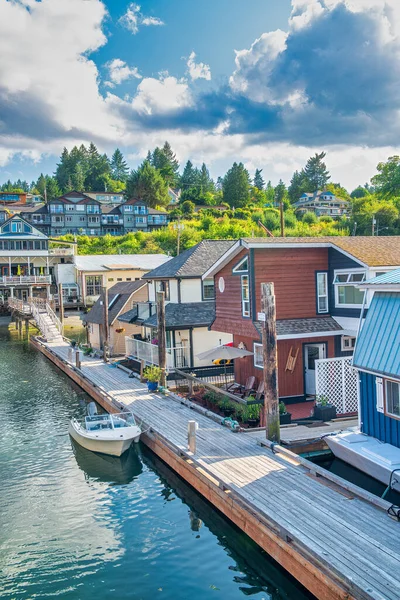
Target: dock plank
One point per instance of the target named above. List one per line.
(353, 540)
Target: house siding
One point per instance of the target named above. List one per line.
(374, 423)
(291, 384)
(337, 260)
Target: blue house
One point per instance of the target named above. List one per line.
(375, 447)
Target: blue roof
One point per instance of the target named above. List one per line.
(390, 277)
(378, 345)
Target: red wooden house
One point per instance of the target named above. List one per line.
(317, 304)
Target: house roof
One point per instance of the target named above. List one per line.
(193, 262)
(382, 251)
(129, 316)
(390, 278)
(377, 347)
(296, 327)
(189, 314)
(155, 211)
(118, 296)
(102, 262)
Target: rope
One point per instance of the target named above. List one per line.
(389, 487)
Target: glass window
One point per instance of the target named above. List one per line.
(208, 289)
(242, 267)
(245, 296)
(163, 286)
(80, 207)
(16, 226)
(93, 285)
(322, 292)
(346, 293)
(258, 356)
(392, 398)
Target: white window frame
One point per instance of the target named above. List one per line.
(238, 269)
(80, 207)
(256, 347)
(349, 273)
(16, 226)
(245, 313)
(351, 339)
(208, 283)
(387, 412)
(323, 274)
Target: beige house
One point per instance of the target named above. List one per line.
(122, 300)
(93, 272)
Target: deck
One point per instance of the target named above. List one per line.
(331, 539)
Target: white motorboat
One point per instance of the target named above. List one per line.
(110, 434)
(375, 458)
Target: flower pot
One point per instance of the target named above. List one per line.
(152, 386)
(285, 418)
(253, 422)
(325, 413)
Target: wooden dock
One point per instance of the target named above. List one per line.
(338, 541)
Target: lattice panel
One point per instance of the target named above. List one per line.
(338, 381)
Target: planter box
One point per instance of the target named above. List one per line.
(325, 413)
(285, 419)
(253, 422)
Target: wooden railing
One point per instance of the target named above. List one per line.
(28, 279)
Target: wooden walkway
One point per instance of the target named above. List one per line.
(335, 543)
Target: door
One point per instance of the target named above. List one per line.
(312, 352)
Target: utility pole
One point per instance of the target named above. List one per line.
(373, 224)
(61, 304)
(270, 362)
(162, 338)
(282, 219)
(105, 322)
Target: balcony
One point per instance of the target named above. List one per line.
(178, 357)
(26, 280)
(62, 251)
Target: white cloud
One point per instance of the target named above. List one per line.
(161, 95)
(198, 70)
(133, 18)
(119, 71)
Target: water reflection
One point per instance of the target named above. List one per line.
(111, 469)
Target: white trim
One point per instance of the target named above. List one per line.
(254, 356)
(347, 337)
(238, 270)
(345, 284)
(387, 380)
(299, 336)
(244, 300)
(326, 295)
(363, 370)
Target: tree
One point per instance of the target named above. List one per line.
(62, 171)
(205, 181)
(280, 192)
(316, 173)
(258, 180)
(188, 177)
(359, 192)
(187, 208)
(166, 162)
(387, 181)
(119, 167)
(236, 186)
(146, 183)
(297, 187)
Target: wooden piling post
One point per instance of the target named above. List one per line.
(61, 304)
(192, 427)
(78, 359)
(162, 338)
(270, 362)
(20, 326)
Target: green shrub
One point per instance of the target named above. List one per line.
(310, 218)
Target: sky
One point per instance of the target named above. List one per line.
(265, 82)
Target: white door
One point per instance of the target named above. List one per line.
(312, 352)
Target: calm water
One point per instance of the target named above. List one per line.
(77, 525)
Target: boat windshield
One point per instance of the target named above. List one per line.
(123, 420)
(106, 421)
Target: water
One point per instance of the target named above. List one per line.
(76, 525)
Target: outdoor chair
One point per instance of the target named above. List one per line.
(243, 390)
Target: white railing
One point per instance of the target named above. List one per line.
(39, 308)
(18, 279)
(21, 305)
(337, 381)
(62, 251)
(177, 357)
(55, 319)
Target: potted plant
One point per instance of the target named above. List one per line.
(323, 409)
(252, 414)
(284, 417)
(153, 376)
(226, 406)
(73, 343)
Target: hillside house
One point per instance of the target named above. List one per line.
(322, 204)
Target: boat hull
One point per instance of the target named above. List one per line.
(376, 459)
(104, 444)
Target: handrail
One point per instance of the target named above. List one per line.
(54, 318)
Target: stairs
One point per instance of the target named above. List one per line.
(48, 328)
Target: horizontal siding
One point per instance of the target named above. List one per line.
(290, 383)
(373, 423)
(293, 273)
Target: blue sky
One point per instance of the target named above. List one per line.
(308, 75)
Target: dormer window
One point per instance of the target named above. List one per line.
(16, 227)
(242, 266)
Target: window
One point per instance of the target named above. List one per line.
(56, 208)
(82, 219)
(346, 293)
(129, 279)
(68, 219)
(69, 207)
(163, 286)
(392, 395)
(258, 356)
(93, 285)
(242, 267)
(111, 279)
(322, 292)
(93, 209)
(348, 343)
(140, 219)
(245, 295)
(128, 208)
(93, 219)
(80, 207)
(16, 227)
(208, 289)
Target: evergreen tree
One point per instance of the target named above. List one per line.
(258, 180)
(298, 185)
(315, 173)
(280, 192)
(146, 183)
(119, 167)
(166, 162)
(359, 192)
(62, 171)
(236, 186)
(188, 177)
(205, 181)
(270, 193)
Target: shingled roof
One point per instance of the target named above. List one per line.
(187, 314)
(374, 251)
(304, 326)
(193, 262)
(118, 296)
